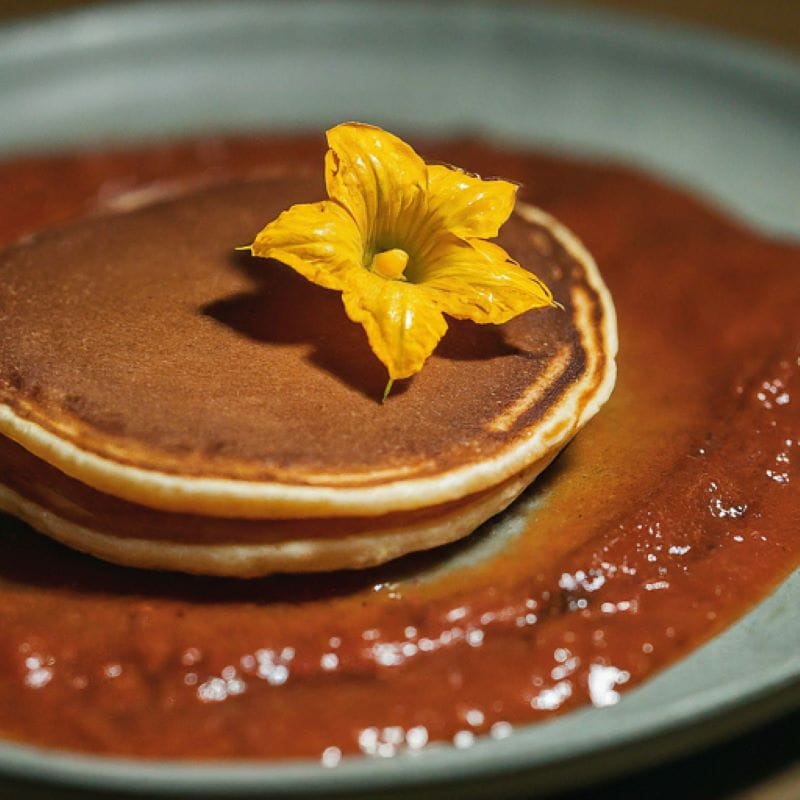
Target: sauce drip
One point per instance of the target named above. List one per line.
(671, 514)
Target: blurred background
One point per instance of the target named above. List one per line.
(775, 22)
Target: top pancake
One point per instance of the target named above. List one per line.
(144, 357)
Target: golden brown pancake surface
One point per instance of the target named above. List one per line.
(144, 339)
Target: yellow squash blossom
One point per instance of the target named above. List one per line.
(404, 242)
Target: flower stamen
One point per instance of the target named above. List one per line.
(390, 263)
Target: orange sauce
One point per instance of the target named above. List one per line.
(670, 515)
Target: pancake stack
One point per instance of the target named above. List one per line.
(166, 402)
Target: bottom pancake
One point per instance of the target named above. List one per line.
(106, 527)
(206, 444)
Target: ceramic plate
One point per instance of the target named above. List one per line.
(713, 114)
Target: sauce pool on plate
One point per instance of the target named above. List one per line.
(670, 515)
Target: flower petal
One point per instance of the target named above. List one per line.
(402, 324)
(318, 240)
(380, 180)
(478, 280)
(467, 205)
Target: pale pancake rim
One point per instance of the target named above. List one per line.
(258, 559)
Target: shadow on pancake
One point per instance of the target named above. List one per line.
(466, 341)
(284, 308)
(32, 560)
